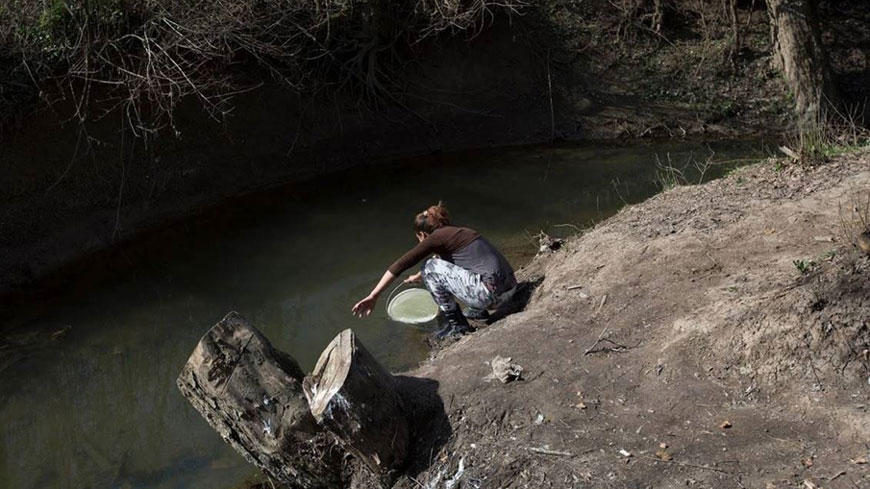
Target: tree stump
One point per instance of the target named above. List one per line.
(356, 399)
(252, 395)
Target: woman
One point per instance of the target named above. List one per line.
(465, 266)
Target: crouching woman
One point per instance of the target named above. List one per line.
(465, 266)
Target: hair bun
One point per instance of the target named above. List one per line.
(432, 218)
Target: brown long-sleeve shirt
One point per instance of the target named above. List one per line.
(445, 240)
(463, 247)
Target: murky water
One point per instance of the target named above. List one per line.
(91, 401)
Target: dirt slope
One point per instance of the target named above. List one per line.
(704, 319)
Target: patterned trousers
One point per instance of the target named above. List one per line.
(444, 280)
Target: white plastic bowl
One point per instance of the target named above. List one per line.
(412, 306)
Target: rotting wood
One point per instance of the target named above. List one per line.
(356, 399)
(694, 466)
(252, 395)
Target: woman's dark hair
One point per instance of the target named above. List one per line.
(431, 219)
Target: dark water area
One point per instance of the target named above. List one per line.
(87, 372)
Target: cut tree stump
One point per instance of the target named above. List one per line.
(252, 395)
(356, 399)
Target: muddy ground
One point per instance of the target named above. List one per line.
(714, 336)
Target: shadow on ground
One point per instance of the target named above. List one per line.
(427, 417)
(518, 302)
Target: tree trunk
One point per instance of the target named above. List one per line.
(252, 395)
(734, 52)
(802, 58)
(356, 399)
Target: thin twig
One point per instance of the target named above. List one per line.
(415, 481)
(546, 451)
(618, 194)
(601, 335)
(576, 228)
(704, 467)
(601, 304)
(837, 475)
(616, 348)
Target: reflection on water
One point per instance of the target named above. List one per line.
(91, 401)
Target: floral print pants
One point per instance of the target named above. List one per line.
(444, 280)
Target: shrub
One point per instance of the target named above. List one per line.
(146, 55)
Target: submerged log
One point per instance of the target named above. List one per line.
(356, 399)
(252, 395)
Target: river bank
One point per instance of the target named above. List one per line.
(712, 336)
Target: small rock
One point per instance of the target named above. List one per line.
(625, 453)
(725, 425)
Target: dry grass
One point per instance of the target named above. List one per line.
(855, 222)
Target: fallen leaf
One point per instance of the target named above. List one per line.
(725, 425)
(580, 405)
(664, 455)
(860, 460)
(808, 462)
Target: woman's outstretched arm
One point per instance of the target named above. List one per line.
(365, 306)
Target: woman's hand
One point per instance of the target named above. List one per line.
(414, 279)
(365, 306)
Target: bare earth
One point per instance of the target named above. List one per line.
(712, 344)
